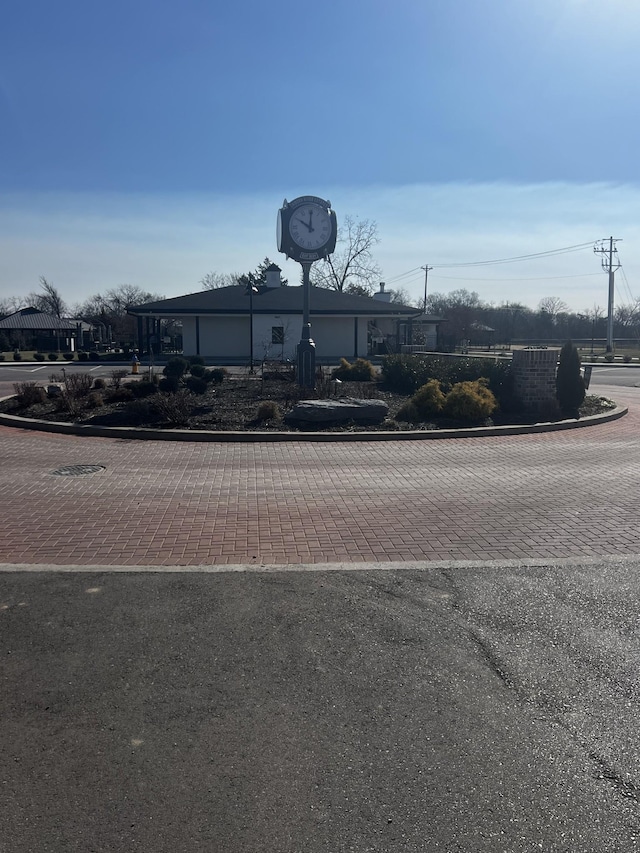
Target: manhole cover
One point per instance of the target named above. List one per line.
(77, 470)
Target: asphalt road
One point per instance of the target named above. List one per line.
(449, 709)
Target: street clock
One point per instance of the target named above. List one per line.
(307, 229)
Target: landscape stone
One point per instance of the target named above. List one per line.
(335, 411)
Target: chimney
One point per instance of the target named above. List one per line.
(381, 296)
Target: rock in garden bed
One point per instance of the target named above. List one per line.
(338, 411)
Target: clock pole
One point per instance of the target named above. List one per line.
(307, 232)
(306, 347)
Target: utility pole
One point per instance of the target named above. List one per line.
(426, 275)
(609, 267)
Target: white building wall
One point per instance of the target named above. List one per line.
(228, 337)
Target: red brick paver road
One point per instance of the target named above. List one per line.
(554, 495)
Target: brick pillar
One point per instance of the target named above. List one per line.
(534, 371)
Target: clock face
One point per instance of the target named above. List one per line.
(310, 226)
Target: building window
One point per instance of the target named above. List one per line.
(277, 334)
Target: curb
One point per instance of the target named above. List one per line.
(144, 434)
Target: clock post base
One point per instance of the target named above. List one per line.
(306, 359)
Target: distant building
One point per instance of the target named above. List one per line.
(30, 328)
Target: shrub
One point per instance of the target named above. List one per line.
(119, 395)
(2, 357)
(29, 394)
(142, 388)
(470, 401)
(196, 385)
(38, 356)
(429, 399)
(174, 409)
(78, 384)
(195, 359)
(570, 389)
(408, 412)
(169, 385)
(99, 383)
(94, 400)
(198, 370)
(176, 367)
(17, 356)
(94, 356)
(627, 359)
(117, 376)
(268, 410)
(609, 357)
(53, 356)
(216, 375)
(67, 356)
(82, 355)
(360, 371)
(141, 412)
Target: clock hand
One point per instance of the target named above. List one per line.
(306, 224)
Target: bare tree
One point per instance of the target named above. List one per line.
(352, 263)
(214, 280)
(49, 301)
(401, 296)
(552, 306)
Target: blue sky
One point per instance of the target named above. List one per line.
(151, 142)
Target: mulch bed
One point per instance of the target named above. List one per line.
(233, 406)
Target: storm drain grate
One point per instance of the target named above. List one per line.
(77, 470)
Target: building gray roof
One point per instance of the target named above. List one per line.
(34, 320)
(275, 300)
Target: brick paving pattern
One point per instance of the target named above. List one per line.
(554, 495)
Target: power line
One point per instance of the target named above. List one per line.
(517, 258)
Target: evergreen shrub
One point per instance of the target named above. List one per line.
(176, 367)
(570, 389)
(470, 401)
(53, 356)
(38, 356)
(198, 370)
(360, 371)
(216, 375)
(196, 385)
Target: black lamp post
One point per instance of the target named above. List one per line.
(252, 289)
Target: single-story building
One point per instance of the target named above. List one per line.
(30, 328)
(232, 324)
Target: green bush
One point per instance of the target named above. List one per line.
(195, 359)
(67, 356)
(99, 383)
(176, 367)
(169, 385)
(82, 355)
(38, 356)
(142, 388)
(198, 370)
(609, 357)
(429, 399)
(570, 389)
(94, 356)
(17, 356)
(216, 375)
(53, 356)
(470, 401)
(2, 357)
(627, 359)
(360, 371)
(196, 385)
